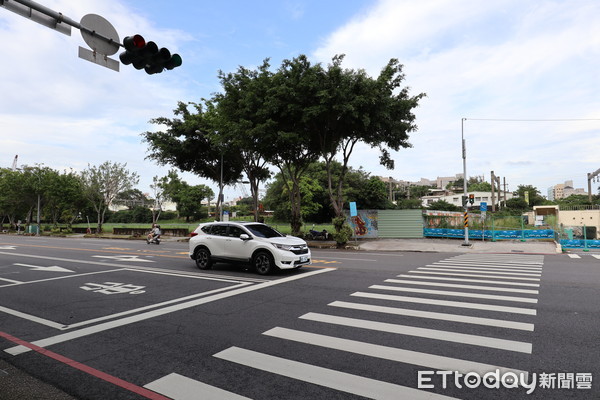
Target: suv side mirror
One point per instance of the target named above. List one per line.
(244, 236)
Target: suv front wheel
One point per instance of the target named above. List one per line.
(263, 262)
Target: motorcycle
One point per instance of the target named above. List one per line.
(153, 240)
(316, 235)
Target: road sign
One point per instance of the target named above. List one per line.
(92, 27)
(483, 206)
(353, 210)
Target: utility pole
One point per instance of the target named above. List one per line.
(590, 176)
(465, 197)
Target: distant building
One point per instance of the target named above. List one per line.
(456, 199)
(564, 190)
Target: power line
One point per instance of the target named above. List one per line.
(532, 120)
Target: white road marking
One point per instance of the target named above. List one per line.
(437, 316)
(596, 256)
(179, 387)
(448, 336)
(475, 275)
(573, 255)
(439, 278)
(54, 268)
(474, 270)
(330, 378)
(446, 303)
(126, 258)
(63, 277)
(459, 286)
(9, 281)
(157, 305)
(487, 270)
(152, 314)
(488, 266)
(388, 353)
(30, 317)
(457, 294)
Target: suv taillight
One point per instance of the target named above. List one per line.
(193, 234)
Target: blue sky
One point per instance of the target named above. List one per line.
(500, 60)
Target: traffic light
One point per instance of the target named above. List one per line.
(148, 56)
(471, 198)
(465, 200)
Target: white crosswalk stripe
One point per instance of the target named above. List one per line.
(455, 294)
(388, 353)
(453, 285)
(453, 288)
(345, 382)
(435, 315)
(475, 340)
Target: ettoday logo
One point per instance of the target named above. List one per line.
(473, 380)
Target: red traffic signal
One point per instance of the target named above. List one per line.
(147, 56)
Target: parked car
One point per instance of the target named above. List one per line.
(250, 243)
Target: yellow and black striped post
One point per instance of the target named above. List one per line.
(466, 219)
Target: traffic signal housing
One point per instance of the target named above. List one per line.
(472, 198)
(148, 56)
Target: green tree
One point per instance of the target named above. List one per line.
(103, 183)
(535, 197)
(443, 205)
(192, 142)
(353, 108)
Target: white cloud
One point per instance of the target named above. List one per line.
(499, 60)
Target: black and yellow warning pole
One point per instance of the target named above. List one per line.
(465, 197)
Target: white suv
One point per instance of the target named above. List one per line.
(247, 242)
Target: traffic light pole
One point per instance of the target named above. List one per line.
(52, 19)
(465, 197)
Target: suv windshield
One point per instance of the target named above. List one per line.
(262, 231)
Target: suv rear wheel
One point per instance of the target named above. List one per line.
(263, 262)
(203, 260)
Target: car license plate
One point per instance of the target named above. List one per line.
(303, 258)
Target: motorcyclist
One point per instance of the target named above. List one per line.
(154, 232)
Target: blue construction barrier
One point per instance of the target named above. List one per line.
(487, 234)
(580, 244)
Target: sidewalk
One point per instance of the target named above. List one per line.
(449, 246)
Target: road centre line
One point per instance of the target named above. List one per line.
(342, 381)
(439, 278)
(472, 275)
(435, 334)
(475, 270)
(500, 323)
(452, 293)
(447, 303)
(179, 387)
(155, 313)
(388, 353)
(476, 287)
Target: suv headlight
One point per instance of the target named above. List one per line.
(285, 247)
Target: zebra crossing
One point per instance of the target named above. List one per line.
(579, 256)
(497, 292)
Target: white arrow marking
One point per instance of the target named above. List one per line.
(49, 269)
(7, 247)
(125, 258)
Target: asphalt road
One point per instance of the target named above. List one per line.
(102, 319)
